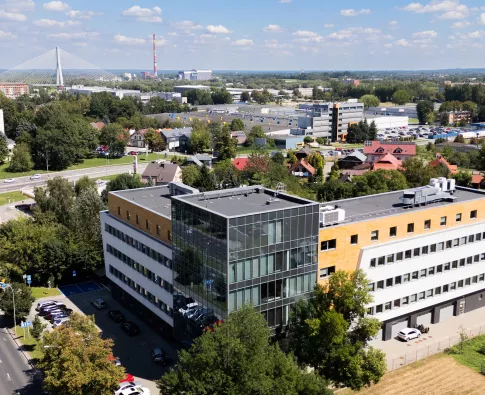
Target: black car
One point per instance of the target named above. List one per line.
(131, 328)
(116, 316)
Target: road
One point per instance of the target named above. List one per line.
(72, 175)
(16, 375)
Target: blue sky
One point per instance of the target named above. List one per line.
(249, 34)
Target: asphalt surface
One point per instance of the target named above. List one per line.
(16, 375)
(72, 175)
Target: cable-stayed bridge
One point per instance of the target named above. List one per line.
(56, 68)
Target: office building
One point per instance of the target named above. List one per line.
(195, 75)
(14, 90)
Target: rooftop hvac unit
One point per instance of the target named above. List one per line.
(332, 216)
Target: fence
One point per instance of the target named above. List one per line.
(435, 348)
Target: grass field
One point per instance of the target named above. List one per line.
(470, 355)
(413, 121)
(14, 196)
(30, 344)
(41, 292)
(436, 375)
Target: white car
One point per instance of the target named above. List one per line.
(407, 334)
(188, 308)
(99, 303)
(133, 388)
(35, 177)
(60, 321)
(8, 180)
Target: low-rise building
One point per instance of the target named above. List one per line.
(402, 150)
(195, 75)
(302, 169)
(240, 163)
(457, 147)
(351, 160)
(387, 122)
(387, 162)
(440, 160)
(176, 139)
(162, 173)
(137, 139)
(14, 90)
(453, 117)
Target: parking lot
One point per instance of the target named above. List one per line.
(134, 352)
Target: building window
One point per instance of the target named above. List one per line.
(397, 280)
(414, 275)
(147, 224)
(389, 282)
(158, 230)
(325, 272)
(373, 262)
(427, 224)
(424, 250)
(354, 239)
(406, 277)
(422, 273)
(128, 217)
(119, 210)
(458, 217)
(378, 309)
(387, 306)
(405, 300)
(437, 291)
(414, 298)
(380, 284)
(421, 296)
(169, 235)
(329, 245)
(408, 254)
(393, 231)
(374, 236)
(445, 288)
(390, 258)
(137, 220)
(371, 287)
(473, 214)
(431, 271)
(443, 221)
(410, 228)
(381, 261)
(429, 293)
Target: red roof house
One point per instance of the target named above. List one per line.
(387, 162)
(302, 169)
(402, 150)
(453, 169)
(240, 163)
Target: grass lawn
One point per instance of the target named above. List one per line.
(413, 121)
(41, 292)
(14, 196)
(347, 146)
(107, 178)
(30, 344)
(437, 375)
(470, 356)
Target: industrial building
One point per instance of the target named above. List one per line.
(89, 90)
(195, 75)
(166, 246)
(14, 90)
(387, 122)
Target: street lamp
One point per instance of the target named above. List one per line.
(5, 285)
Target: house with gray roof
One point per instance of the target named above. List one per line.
(176, 139)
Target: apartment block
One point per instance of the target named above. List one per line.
(14, 90)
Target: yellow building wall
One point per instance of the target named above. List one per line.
(119, 207)
(346, 256)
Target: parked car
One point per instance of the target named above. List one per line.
(52, 313)
(45, 303)
(35, 177)
(44, 311)
(8, 180)
(57, 315)
(99, 303)
(407, 334)
(128, 377)
(160, 356)
(131, 328)
(116, 316)
(132, 388)
(188, 308)
(60, 321)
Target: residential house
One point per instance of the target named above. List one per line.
(162, 173)
(357, 170)
(305, 152)
(351, 160)
(240, 136)
(137, 139)
(176, 139)
(477, 180)
(200, 160)
(387, 162)
(240, 163)
(402, 150)
(453, 169)
(302, 169)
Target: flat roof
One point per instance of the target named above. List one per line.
(243, 201)
(386, 204)
(156, 199)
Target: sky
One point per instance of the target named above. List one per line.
(249, 34)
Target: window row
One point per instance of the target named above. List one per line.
(138, 245)
(140, 268)
(430, 271)
(272, 290)
(141, 291)
(420, 296)
(147, 223)
(250, 268)
(425, 250)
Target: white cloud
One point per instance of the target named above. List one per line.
(186, 26)
(52, 23)
(243, 42)
(285, 1)
(12, 16)
(82, 14)
(482, 19)
(461, 24)
(217, 29)
(388, 45)
(57, 6)
(74, 36)
(144, 14)
(403, 43)
(394, 25)
(328, 25)
(305, 33)
(172, 34)
(425, 34)
(448, 9)
(19, 5)
(275, 44)
(272, 29)
(352, 12)
(7, 35)
(129, 40)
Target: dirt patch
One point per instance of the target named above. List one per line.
(439, 374)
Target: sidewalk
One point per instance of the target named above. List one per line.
(442, 335)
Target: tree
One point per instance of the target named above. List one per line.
(237, 125)
(83, 184)
(200, 139)
(330, 332)
(154, 140)
(308, 140)
(321, 140)
(278, 157)
(480, 117)
(190, 175)
(37, 328)
(225, 146)
(57, 197)
(21, 159)
(121, 183)
(254, 133)
(417, 172)
(238, 358)
(76, 360)
(424, 108)
(401, 97)
(463, 178)
(222, 96)
(206, 181)
(245, 97)
(115, 137)
(23, 300)
(370, 101)
(227, 175)
(3, 149)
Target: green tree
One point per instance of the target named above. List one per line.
(154, 140)
(83, 184)
(308, 140)
(206, 181)
(330, 332)
(417, 172)
(121, 183)
(21, 159)
(225, 146)
(200, 139)
(57, 197)
(23, 300)
(254, 133)
(463, 178)
(221, 96)
(76, 360)
(115, 137)
(237, 125)
(3, 149)
(401, 97)
(37, 328)
(321, 140)
(279, 158)
(459, 139)
(238, 358)
(227, 175)
(370, 101)
(190, 175)
(424, 108)
(245, 97)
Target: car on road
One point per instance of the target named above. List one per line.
(8, 180)
(159, 355)
(116, 316)
(35, 177)
(407, 334)
(130, 328)
(99, 303)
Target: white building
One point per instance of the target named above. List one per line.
(384, 122)
(195, 75)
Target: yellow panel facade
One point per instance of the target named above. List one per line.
(147, 221)
(345, 256)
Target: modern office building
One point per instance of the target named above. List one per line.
(426, 262)
(195, 75)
